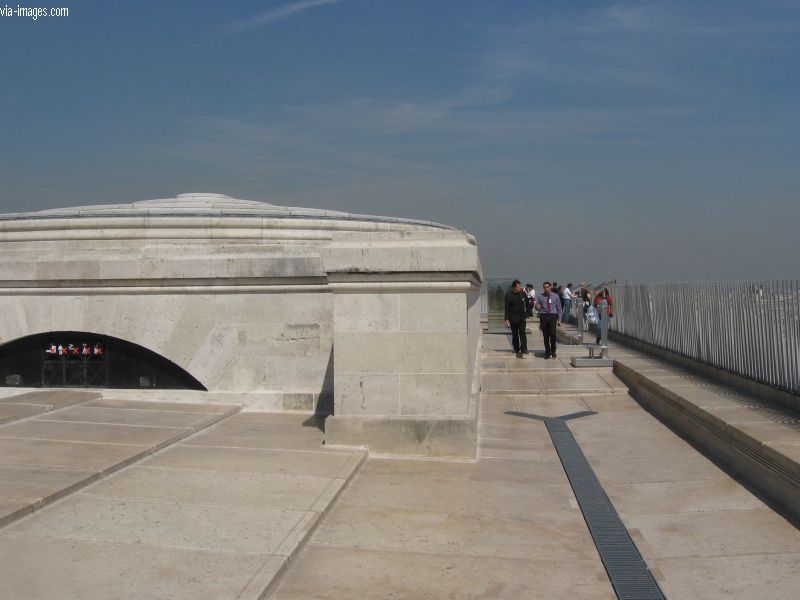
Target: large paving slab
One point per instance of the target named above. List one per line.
(11, 412)
(20, 406)
(758, 576)
(331, 573)
(52, 399)
(553, 535)
(51, 455)
(142, 417)
(555, 383)
(217, 515)
(45, 568)
(264, 430)
(98, 433)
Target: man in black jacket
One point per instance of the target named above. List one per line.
(516, 307)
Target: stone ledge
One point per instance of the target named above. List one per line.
(769, 466)
(774, 395)
(415, 436)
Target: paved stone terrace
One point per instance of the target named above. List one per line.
(156, 500)
(508, 525)
(75, 438)
(213, 516)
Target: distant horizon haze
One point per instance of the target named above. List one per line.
(643, 141)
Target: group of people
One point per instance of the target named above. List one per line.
(553, 306)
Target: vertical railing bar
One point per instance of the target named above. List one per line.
(725, 324)
(733, 292)
(768, 338)
(716, 316)
(758, 355)
(696, 333)
(750, 309)
(788, 328)
(765, 333)
(794, 304)
(735, 317)
(702, 327)
(707, 316)
(784, 332)
(749, 305)
(755, 357)
(791, 342)
(772, 322)
(778, 354)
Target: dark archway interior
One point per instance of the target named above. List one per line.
(82, 359)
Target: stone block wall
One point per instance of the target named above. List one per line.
(267, 351)
(271, 307)
(401, 354)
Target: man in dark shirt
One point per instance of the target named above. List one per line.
(515, 304)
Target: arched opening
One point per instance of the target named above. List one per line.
(81, 359)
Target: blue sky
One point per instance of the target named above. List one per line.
(651, 141)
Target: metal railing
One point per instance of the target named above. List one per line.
(750, 328)
(493, 291)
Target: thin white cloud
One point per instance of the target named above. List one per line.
(276, 14)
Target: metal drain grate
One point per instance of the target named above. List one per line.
(626, 569)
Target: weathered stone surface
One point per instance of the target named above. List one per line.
(366, 312)
(94, 432)
(125, 416)
(52, 399)
(95, 457)
(12, 412)
(514, 499)
(757, 531)
(740, 577)
(432, 312)
(124, 571)
(552, 536)
(334, 573)
(434, 394)
(273, 492)
(299, 463)
(429, 436)
(248, 509)
(254, 300)
(676, 497)
(401, 352)
(367, 394)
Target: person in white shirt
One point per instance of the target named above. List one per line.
(531, 294)
(566, 301)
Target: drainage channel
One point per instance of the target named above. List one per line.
(626, 569)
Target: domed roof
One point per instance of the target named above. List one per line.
(204, 204)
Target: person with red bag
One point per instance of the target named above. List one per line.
(603, 295)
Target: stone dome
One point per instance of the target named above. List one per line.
(202, 204)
